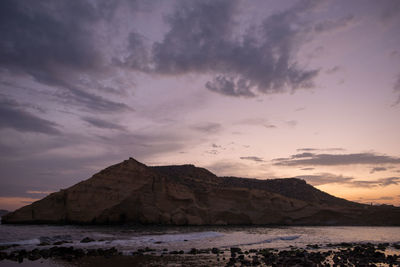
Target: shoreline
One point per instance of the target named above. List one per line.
(347, 254)
(128, 224)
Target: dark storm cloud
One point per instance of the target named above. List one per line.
(252, 158)
(378, 169)
(139, 54)
(228, 86)
(202, 40)
(105, 124)
(88, 100)
(314, 159)
(54, 42)
(37, 34)
(13, 115)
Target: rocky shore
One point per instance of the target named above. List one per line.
(341, 254)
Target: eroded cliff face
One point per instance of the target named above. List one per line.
(180, 195)
(85, 201)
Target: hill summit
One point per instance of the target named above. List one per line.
(131, 192)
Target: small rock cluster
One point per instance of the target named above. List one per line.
(341, 254)
(63, 253)
(348, 254)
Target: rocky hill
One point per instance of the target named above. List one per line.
(131, 192)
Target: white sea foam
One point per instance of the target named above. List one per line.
(271, 240)
(179, 237)
(34, 241)
(151, 240)
(173, 238)
(290, 237)
(168, 238)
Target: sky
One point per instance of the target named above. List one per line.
(262, 89)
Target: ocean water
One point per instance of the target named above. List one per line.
(130, 238)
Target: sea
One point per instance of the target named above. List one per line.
(130, 238)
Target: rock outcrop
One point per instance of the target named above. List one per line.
(131, 192)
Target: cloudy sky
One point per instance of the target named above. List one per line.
(263, 89)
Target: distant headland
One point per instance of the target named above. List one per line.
(131, 192)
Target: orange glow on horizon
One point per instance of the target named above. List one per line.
(13, 203)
